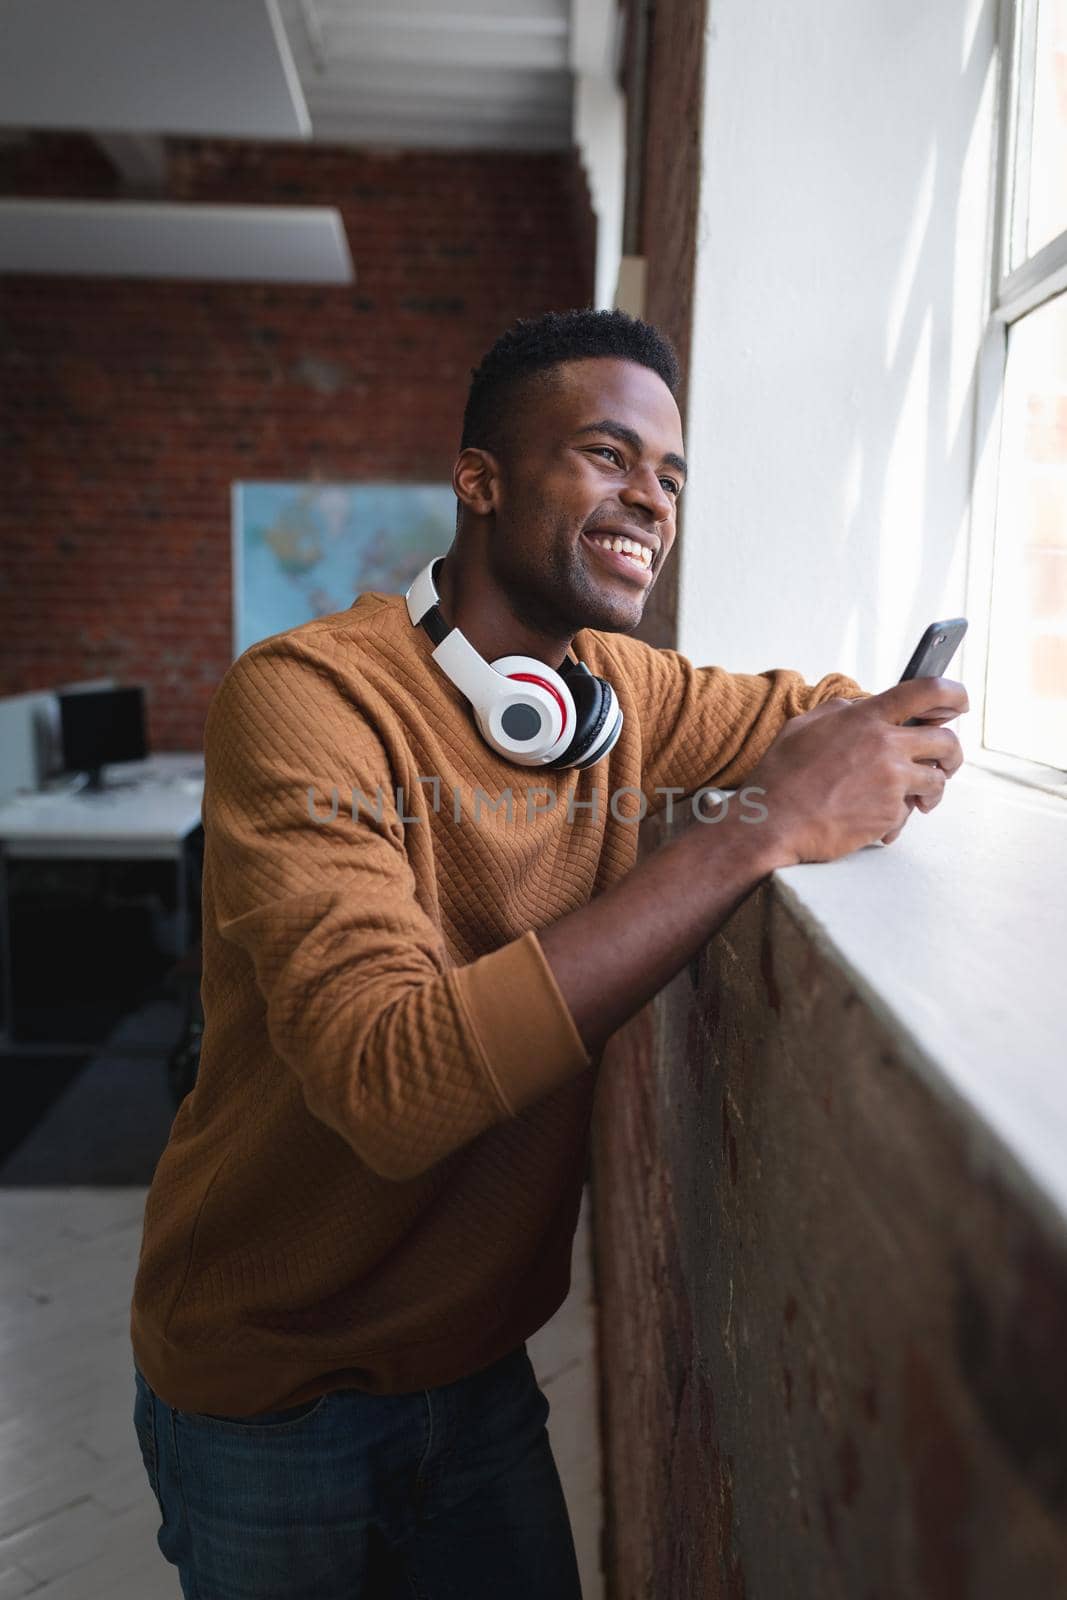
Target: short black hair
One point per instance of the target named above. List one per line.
(533, 346)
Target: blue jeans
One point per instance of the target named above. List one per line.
(449, 1493)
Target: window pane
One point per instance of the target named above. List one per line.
(1048, 149)
(1026, 692)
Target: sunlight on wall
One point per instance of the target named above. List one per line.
(902, 513)
(851, 488)
(907, 272)
(843, 228)
(973, 16)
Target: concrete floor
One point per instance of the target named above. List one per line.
(77, 1517)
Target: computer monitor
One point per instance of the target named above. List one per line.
(100, 726)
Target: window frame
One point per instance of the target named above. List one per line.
(1013, 290)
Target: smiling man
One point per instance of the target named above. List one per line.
(368, 1201)
(592, 461)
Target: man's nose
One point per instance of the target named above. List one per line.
(644, 488)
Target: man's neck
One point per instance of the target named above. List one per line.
(471, 601)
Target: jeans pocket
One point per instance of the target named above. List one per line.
(272, 1420)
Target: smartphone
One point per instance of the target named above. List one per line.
(933, 653)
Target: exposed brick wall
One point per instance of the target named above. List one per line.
(130, 406)
(831, 1340)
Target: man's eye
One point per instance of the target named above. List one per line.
(670, 484)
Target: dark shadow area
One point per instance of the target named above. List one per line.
(93, 961)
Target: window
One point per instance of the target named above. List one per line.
(1026, 684)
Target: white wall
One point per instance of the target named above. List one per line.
(843, 254)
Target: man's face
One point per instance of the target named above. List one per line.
(596, 454)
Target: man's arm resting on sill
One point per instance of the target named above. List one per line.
(836, 778)
(612, 955)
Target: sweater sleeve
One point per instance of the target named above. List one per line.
(404, 1055)
(704, 726)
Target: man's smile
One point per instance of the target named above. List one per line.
(629, 557)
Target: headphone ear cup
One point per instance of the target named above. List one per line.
(607, 733)
(529, 690)
(593, 701)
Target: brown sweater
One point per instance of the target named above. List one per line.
(375, 1181)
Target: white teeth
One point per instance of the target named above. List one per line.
(638, 552)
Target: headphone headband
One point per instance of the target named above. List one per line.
(423, 603)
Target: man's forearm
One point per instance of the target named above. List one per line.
(834, 779)
(611, 956)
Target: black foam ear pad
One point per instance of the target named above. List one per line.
(592, 699)
(607, 741)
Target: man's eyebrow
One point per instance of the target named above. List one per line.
(625, 435)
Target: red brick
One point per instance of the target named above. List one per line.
(128, 408)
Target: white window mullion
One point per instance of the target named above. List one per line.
(1021, 128)
(1033, 282)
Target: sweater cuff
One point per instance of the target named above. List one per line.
(528, 1038)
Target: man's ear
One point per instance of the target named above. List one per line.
(476, 481)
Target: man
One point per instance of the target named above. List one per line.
(368, 1201)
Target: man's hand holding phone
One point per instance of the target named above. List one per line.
(834, 779)
(842, 775)
(848, 773)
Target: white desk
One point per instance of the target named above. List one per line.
(147, 813)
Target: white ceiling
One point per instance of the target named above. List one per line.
(491, 74)
(430, 74)
(150, 66)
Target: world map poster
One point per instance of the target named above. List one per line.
(306, 550)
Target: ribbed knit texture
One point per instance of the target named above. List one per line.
(376, 1179)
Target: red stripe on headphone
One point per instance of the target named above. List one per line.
(530, 677)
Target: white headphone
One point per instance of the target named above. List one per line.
(531, 713)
